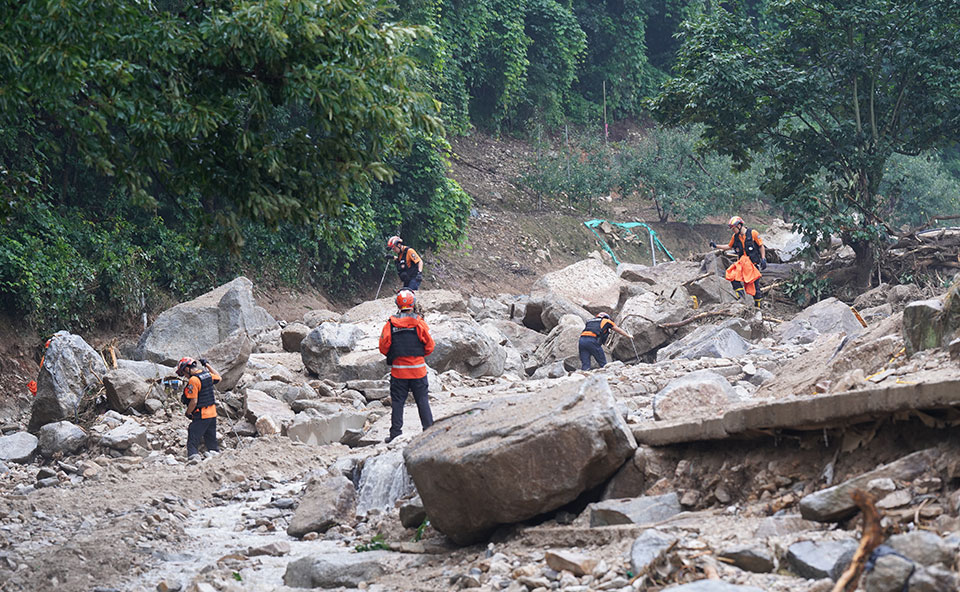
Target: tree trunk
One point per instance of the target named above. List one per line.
(865, 261)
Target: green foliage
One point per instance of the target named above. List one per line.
(377, 543)
(663, 167)
(917, 188)
(420, 529)
(806, 288)
(833, 89)
(270, 110)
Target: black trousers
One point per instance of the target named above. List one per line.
(399, 388)
(205, 430)
(590, 346)
(413, 283)
(756, 284)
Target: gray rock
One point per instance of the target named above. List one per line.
(561, 344)
(923, 547)
(724, 343)
(326, 502)
(817, 559)
(648, 549)
(755, 559)
(146, 370)
(826, 316)
(229, 358)
(412, 513)
(19, 447)
(483, 452)
(333, 570)
(889, 574)
(487, 308)
(258, 404)
(63, 437)
(637, 510)
(834, 503)
(933, 578)
(523, 339)
(383, 481)
(588, 283)
(293, 335)
(463, 346)
(700, 393)
(193, 327)
(125, 390)
(641, 316)
(319, 430)
(125, 435)
(339, 337)
(70, 368)
(711, 586)
(312, 318)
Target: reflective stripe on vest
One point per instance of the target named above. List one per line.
(593, 329)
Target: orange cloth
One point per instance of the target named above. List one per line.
(407, 366)
(743, 270)
(193, 389)
(32, 387)
(743, 242)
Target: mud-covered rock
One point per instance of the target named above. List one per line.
(61, 437)
(293, 335)
(126, 390)
(462, 345)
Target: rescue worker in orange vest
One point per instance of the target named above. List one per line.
(744, 274)
(409, 263)
(405, 340)
(201, 403)
(593, 337)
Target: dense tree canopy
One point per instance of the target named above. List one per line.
(268, 109)
(836, 89)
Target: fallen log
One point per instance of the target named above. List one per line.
(697, 317)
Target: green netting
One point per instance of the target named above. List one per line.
(628, 226)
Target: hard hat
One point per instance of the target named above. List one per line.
(184, 365)
(603, 315)
(405, 299)
(734, 221)
(394, 241)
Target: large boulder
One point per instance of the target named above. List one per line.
(428, 301)
(293, 335)
(70, 368)
(322, 347)
(514, 458)
(588, 283)
(258, 405)
(125, 390)
(826, 316)
(336, 570)
(709, 341)
(525, 340)
(327, 501)
(61, 437)
(312, 426)
(641, 316)
(544, 310)
(229, 358)
(700, 393)
(561, 344)
(932, 323)
(19, 447)
(463, 345)
(146, 370)
(190, 328)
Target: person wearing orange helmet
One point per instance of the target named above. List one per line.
(405, 340)
(745, 273)
(198, 395)
(592, 338)
(409, 263)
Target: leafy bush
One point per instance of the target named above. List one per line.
(806, 288)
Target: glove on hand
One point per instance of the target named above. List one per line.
(188, 415)
(388, 256)
(203, 361)
(713, 245)
(763, 264)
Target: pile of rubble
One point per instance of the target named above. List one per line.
(717, 451)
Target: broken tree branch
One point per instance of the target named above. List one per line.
(870, 540)
(703, 315)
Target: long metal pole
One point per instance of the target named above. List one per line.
(382, 278)
(652, 252)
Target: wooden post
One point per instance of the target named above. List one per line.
(605, 133)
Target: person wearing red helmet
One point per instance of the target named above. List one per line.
(745, 273)
(594, 335)
(198, 395)
(409, 263)
(405, 340)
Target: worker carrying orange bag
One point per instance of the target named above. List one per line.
(745, 274)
